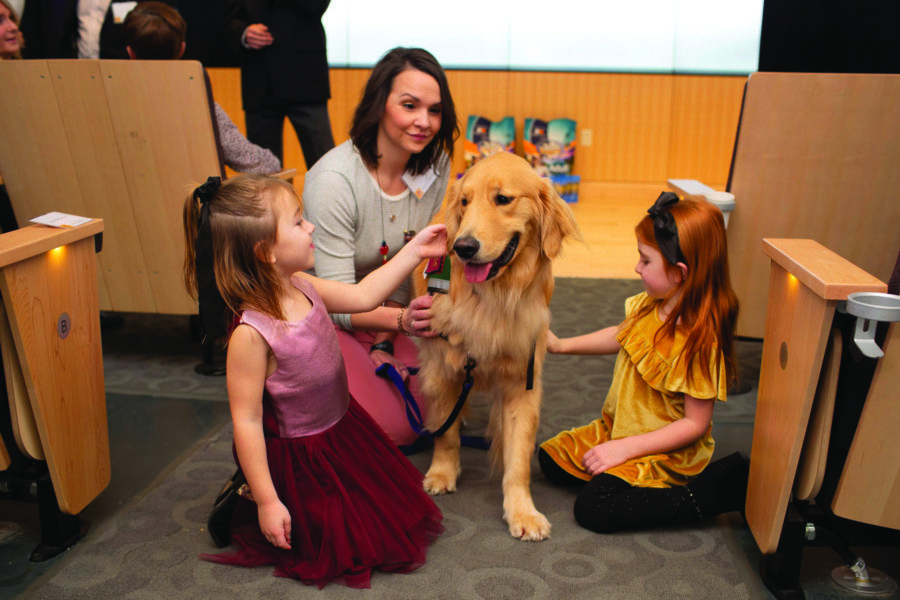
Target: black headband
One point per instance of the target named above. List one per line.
(664, 228)
(212, 306)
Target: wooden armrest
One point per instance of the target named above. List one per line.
(30, 241)
(286, 174)
(690, 188)
(827, 274)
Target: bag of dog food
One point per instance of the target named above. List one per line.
(550, 148)
(485, 137)
(549, 145)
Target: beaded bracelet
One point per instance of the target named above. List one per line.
(400, 323)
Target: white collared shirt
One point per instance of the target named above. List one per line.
(91, 14)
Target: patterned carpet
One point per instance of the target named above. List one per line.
(149, 549)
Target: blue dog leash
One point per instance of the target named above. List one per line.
(414, 415)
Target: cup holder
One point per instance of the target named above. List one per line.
(868, 308)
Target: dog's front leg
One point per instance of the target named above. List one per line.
(444, 471)
(439, 382)
(520, 420)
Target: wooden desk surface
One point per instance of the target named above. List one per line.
(28, 241)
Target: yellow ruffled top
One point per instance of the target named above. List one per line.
(647, 392)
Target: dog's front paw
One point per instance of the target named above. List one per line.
(529, 526)
(438, 482)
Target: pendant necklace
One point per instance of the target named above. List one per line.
(408, 234)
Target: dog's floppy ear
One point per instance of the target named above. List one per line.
(557, 220)
(453, 209)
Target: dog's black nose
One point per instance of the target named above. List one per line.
(466, 248)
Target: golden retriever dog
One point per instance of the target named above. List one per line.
(505, 225)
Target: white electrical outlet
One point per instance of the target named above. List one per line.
(587, 137)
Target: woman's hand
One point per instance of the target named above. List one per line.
(605, 456)
(415, 319)
(275, 523)
(431, 242)
(380, 357)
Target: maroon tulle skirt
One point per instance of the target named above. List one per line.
(356, 505)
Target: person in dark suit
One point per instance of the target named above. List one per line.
(284, 72)
(50, 28)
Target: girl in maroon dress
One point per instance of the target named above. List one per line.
(332, 497)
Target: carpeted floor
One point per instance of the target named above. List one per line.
(146, 534)
(150, 551)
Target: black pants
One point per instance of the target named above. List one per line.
(607, 503)
(265, 127)
(7, 216)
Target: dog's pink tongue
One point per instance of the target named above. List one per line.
(476, 273)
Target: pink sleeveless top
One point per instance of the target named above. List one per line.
(308, 391)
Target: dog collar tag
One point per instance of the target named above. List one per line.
(419, 184)
(437, 274)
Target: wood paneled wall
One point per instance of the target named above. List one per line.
(645, 128)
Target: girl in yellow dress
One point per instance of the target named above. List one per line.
(646, 461)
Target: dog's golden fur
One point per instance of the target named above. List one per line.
(498, 322)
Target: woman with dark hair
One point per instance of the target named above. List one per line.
(367, 197)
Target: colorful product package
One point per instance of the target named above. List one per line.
(550, 148)
(549, 145)
(485, 137)
(566, 186)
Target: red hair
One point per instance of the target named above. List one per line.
(708, 307)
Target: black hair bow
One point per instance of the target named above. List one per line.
(664, 228)
(212, 306)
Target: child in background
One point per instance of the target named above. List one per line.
(156, 31)
(645, 461)
(332, 497)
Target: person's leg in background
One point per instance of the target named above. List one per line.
(7, 216)
(265, 127)
(313, 127)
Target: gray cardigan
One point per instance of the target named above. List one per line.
(351, 216)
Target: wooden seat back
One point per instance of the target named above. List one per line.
(815, 158)
(124, 141)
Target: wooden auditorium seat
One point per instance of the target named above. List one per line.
(802, 390)
(54, 440)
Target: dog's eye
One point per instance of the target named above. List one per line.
(503, 200)
(464, 202)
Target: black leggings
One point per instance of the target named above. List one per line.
(607, 504)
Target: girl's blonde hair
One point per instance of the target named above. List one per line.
(243, 227)
(708, 306)
(15, 19)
